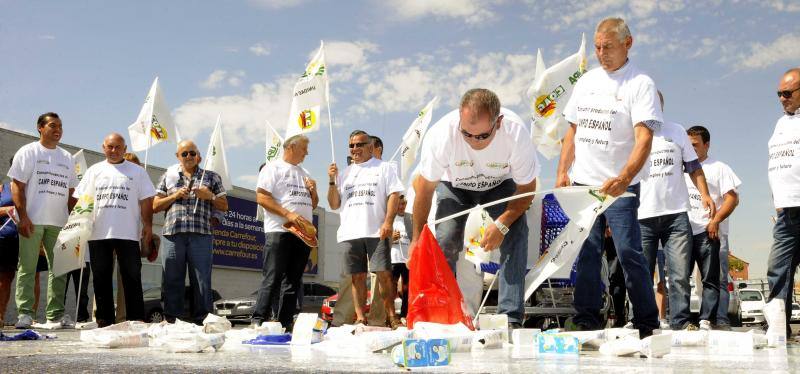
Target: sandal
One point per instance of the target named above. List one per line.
(361, 321)
(396, 322)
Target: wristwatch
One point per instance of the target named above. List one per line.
(500, 226)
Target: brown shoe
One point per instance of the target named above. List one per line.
(361, 321)
(396, 322)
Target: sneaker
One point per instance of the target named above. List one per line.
(628, 325)
(67, 322)
(396, 322)
(24, 321)
(663, 324)
(690, 327)
(705, 325)
(723, 327)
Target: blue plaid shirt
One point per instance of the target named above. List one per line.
(179, 217)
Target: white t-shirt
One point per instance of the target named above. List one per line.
(720, 179)
(118, 189)
(784, 162)
(48, 175)
(605, 107)
(664, 191)
(364, 189)
(446, 156)
(286, 183)
(400, 249)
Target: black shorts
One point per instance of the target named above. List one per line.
(9, 254)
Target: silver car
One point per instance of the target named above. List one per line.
(241, 309)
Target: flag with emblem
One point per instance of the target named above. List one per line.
(72, 241)
(413, 138)
(154, 124)
(309, 94)
(80, 164)
(274, 149)
(549, 93)
(215, 157)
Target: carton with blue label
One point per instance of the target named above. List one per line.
(559, 344)
(422, 353)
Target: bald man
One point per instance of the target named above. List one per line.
(187, 231)
(784, 181)
(123, 200)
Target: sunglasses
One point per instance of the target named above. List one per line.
(357, 145)
(188, 153)
(479, 137)
(787, 94)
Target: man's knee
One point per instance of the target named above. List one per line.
(358, 277)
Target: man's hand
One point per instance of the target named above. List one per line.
(395, 236)
(311, 185)
(562, 180)
(203, 193)
(492, 238)
(332, 172)
(293, 217)
(709, 205)
(713, 230)
(385, 231)
(147, 234)
(615, 186)
(181, 193)
(25, 226)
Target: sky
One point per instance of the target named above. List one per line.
(717, 62)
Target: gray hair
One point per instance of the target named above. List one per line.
(295, 139)
(357, 133)
(481, 100)
(614, 25)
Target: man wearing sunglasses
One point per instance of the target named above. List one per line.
(613, 113)
(784, 180)
(476, 154)
(368, 193)
(187, 232)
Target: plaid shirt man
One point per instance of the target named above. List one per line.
(179, 216)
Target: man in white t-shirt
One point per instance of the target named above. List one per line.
(367, 191)
(288, 194)
(613, 112)
(123, 203)
(784, 180)
(710, 230)
(400, 242)
(42, 181)
(663, 216)
(477, 154)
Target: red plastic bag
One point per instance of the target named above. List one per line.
(433, 292)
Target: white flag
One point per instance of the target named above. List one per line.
(215, 157)
(274, 150)
(582, 206)
(80, 164)
(413, 138)
(309, 93)
(548, 95)
(72, 241)
(154, 124)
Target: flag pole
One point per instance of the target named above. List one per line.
(330, 121)
(149, 144)
(80, 282)
(203, 175)
(397, 151)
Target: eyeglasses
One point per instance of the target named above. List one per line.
(787, 94)
(190, 153)
(479, 137)
(357, 145)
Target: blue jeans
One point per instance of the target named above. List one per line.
(784, 258)
(621, 217)
(674, 233)
(182, 250)
(513, 250)
(706, 253)
(724, 295)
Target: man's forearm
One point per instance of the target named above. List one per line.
(729, 203)
(220, 203)
(18, 196)
(391, 208)
(640, 153)
(517, 207)
(333, 197)
(146, 206)
(698, 178)
(567, 151)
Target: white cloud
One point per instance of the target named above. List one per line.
(780, 5)
(474, 12)
(277, 4)
(346, 53)
(47, 37)
(782, 49)
(243, 116)
(218, 77)
(259, 49)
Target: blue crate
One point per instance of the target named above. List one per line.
(553, 221)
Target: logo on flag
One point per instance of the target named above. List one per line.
(307, 119)
(158, 132)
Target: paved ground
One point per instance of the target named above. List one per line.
(67, 354)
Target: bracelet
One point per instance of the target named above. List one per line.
(331, 183)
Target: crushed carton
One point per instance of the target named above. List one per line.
(214, 324)
(655, 346)
(494, 322)
(732, 342)
(422, 353)
(308, 329)
(524, 337)
(558, 344)
(128, 334)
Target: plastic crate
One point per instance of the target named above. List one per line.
(553, 221)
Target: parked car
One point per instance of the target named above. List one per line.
(240, 310)
(795, 318)
(329, 305)
(734, 301)
(154, 304)
(752, 306)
